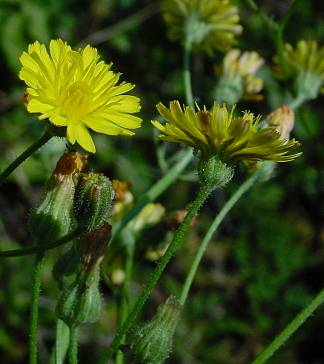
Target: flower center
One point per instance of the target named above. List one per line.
(76, 101)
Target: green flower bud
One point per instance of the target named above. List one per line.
(65, 269)
(151, 343)
(214, 172)
(53, 217)
(80, 301)
(229, 89)
(93, 199)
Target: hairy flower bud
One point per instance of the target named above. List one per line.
(214, 172)
(53, 217)
(80, 301)
(93, 199)
(151, 343)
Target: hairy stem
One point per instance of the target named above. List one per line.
(124, 304)
(41, 248)
(73, 347)
(155, 276)
(187, 74)
(213, 227)
(290, 329)
(39, 261)
(27, 153)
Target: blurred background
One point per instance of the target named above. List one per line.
(267, 260)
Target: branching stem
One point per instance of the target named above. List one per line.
(155, 276)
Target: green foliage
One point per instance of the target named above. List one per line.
(267, 260)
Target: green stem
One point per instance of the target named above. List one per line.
(41, 248)
(267, 19)
(124, 25)
(290, 329)
(276, 28)
(73, 348)
(187, 74)
(39, 261)
(61, 345)
(27, 153)
(155, 191)
(297, 102)
(280, 47)
(155, 276)
(285, 18)
(213, 227)
(124, 306)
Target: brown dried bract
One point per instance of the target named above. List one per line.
(69, 163)
(120, 188)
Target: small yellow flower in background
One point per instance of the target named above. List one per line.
(305, 64)
(202, 24)
(242, 63)
(76, 90)
(238, 78)
(150, 215)
(283, 119)
(219, 132)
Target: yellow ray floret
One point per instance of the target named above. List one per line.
(305, 64)
(219, 132)
(76, 90)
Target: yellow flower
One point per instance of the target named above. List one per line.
(305, 64)
(74, 89)
(219, 132)
(283, 119)
(203, 24)
(238, 77)
(151, 215)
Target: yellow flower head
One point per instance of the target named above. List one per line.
(74, 89)
(203, 24)
(305, 63)
(219, 132)
(283, 119)
(238, 78)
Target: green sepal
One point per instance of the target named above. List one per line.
(65, 269)
(151, 342)
(213, 172)
(93, 200)
(54, 218)
(80, 302)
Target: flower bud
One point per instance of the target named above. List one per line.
(151, 343)
(239, 78)
(66, 267)
(214, 172)
(93, 199)
(53, 218)
(229, 89)
(283, 119)
(80, 301)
